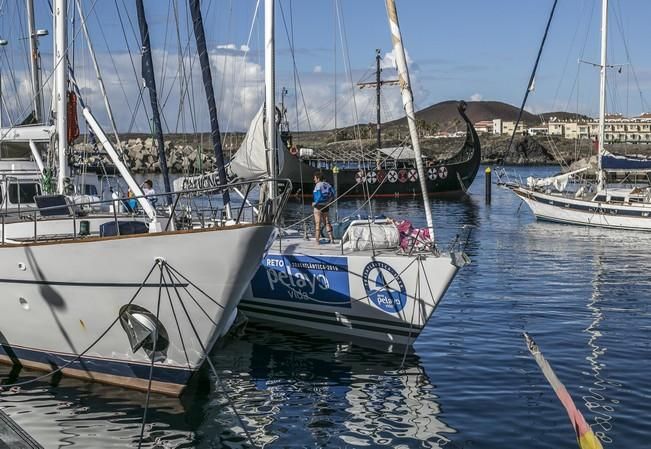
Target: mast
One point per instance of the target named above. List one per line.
(36, 74)
(150, 84)
(602, 91)
(199, 34)
(408, 102)
(61, 81)
(378, 96)
(270, 87)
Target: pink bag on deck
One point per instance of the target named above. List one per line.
(408, 234)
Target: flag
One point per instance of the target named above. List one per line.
(584, 434)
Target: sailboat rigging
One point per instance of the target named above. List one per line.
(73, 272)
(366, 287)
(589, 204)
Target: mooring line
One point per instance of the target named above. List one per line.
(79, 356)
(210, 364)
(161, 264)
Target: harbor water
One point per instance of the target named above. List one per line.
(470, 382)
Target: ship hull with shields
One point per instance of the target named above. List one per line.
(390, 172)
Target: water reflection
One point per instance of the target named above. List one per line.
(599, 398)
(83, 414)
(290, 389)
(283, 387)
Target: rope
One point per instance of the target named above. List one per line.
(78, 357)
(533, 74)
(210, 364)
(153, 356)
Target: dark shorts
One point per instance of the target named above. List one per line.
(322, 207)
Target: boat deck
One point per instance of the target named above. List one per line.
(299, 246)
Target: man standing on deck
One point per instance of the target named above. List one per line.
(322, 196)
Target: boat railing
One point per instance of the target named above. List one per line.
(188, 209)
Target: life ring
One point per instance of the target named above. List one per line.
(402, 176)
(360, 177)
(371, 177)
(392, 176)
(293, 150)
(443, 172)
(432, 174)
(412, 175)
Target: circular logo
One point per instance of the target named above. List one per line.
(371, 177)
(384, 287)
(402, 176)
(360, 176)
(392, 176)
(443, 172)
(412, 175)
(432, 174)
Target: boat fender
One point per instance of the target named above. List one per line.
(293, 150)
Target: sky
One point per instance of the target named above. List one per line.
(461, 49)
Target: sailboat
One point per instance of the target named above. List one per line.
(601, 205)
(115, 299)
(366, 287)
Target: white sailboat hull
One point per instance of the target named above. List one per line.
(58, 298)
(322, 290)
(562, 209)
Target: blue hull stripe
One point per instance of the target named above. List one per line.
(91, 365)
(330, 319)
(597, 209)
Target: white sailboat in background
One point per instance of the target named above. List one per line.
(172, 284)
(554, 199)
(366, 287)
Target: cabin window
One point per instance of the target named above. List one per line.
(23, 192)
(89, 189)
(600, 198)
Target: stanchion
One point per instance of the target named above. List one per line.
(335, 174)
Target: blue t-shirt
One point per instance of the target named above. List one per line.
(323, 193)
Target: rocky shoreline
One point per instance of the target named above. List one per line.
(189, 153)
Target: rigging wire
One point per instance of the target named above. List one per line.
(533, 75)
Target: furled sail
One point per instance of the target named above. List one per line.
(150, 84)
(195, 9)
(250, 161)
(616, 162)
(558, 182)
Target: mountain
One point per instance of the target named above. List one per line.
(445, 114)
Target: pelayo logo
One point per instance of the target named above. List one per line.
(384, 287)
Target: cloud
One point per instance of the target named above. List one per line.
(476, 97)
(238, 82)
